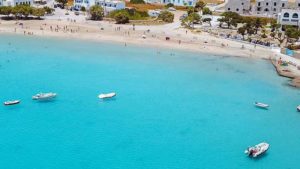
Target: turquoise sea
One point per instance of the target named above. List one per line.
(179, 111)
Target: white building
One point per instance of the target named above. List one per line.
(180, 2)
(153, 1)
(106, 4)
(78, 4)
(238, 6)
(15, 2)
(289, 17)
(269, 7)
(111, 5)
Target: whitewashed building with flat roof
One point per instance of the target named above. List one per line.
(108, 5)
(269, 7)
(180, 2)
(78, 4)
(289, 17)
(15, 2)
(238, 6)
(111, 5)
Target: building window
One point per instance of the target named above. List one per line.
(258, 9)
(267, 4)
(266, 10)
(258, 4)
(283, 4)
(237, 9)
(275, 3)
(242, 3)
(228, 9)
(286, 15)
(295, 15)
(274, 9)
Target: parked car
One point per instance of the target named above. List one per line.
(76, 13)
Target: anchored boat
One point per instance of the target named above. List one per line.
(107, 95)
(261, 105)
(44, 96)
(257, 149)
(11, 102)
(298, 108)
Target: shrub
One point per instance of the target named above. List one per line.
(48, 10)
(38, 12)
(137, 1)
(82, 9)
(132, 14)
(121, 18)
(96, 12)
(166, 16)
(206, 11)
(169, 5)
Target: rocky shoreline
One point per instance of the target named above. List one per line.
(287, 69)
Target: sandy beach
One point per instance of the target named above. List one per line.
(154, 36)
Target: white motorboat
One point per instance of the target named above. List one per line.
(44, 96)
(261, 105)
(107, 95)
(257, 149)
(298, 108)
(12, 102)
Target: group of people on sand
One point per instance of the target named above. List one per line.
(28, 33)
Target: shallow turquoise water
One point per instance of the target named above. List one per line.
(182, 111)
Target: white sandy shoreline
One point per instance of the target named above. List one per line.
(203, 42)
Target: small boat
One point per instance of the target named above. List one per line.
(261, 105)
(257, 149)
(11, 102)
(298, 108)
(107, 95)
(44, 96)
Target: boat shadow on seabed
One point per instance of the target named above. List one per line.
(108, 99)
(259, 157)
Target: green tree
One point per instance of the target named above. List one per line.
(137, 1)
(38, 12)
(263, 33)
(280, 37)
(274, 25)
(21, 10)
(206, 11)
(96, 12)
(121, 18)
(292, 33)
(5, 10)
(166, 16)
(242, 31)
(199, 5)
(192, 19)
(207, 20)
(230, 18)
(63, 2)
(82, 9)
(257, 24)
(48, 10)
